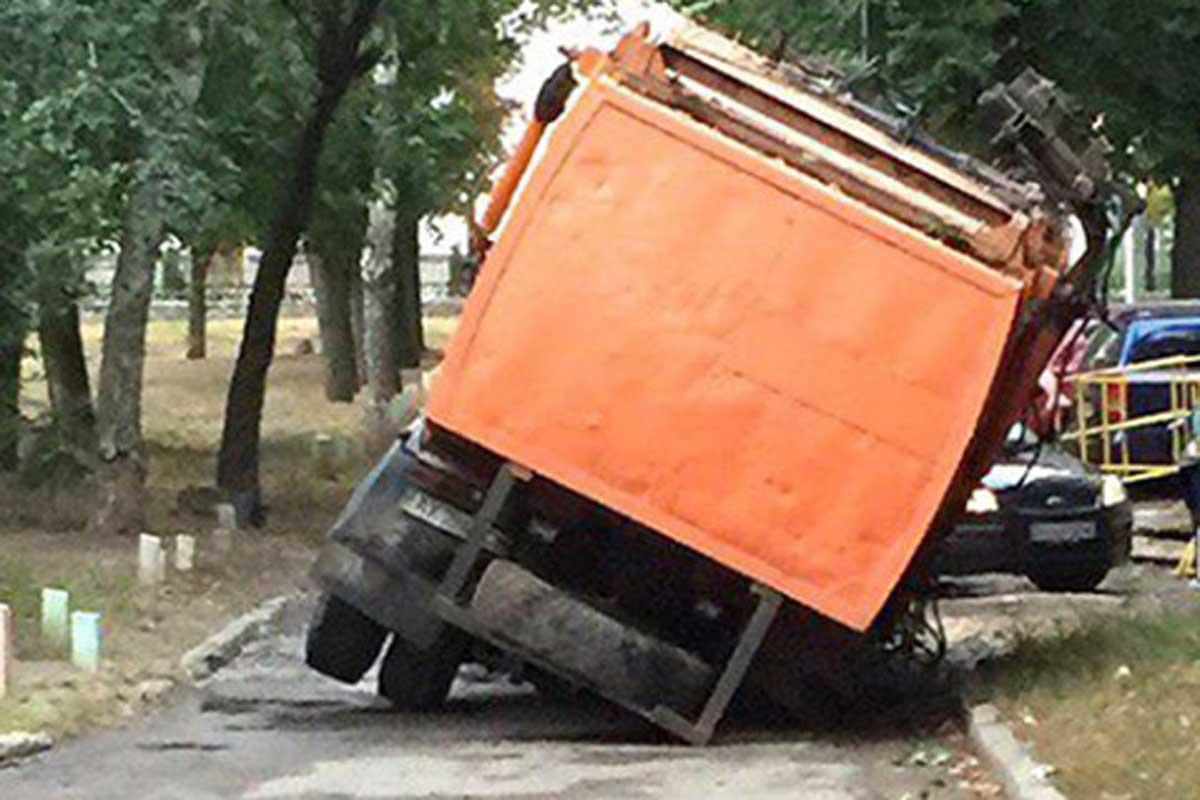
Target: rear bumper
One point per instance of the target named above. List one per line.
(1009, 542)
(391, 545)
(1109, 546)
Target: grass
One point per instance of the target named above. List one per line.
(1114, 706)
(146, 631)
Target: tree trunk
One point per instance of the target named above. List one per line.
(339, 64)
(380, 315)
(198, 304)
(10, 399)
(406, 258)
(331, 268)
(1151, 252)
(122, 469)
(356, 321)
(66, 368)
(1185, 254)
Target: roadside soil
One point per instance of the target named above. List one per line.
(145, 630)
(267, 727)
(42, 543)
(1105, 687)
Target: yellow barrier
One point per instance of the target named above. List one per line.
(1102, 414)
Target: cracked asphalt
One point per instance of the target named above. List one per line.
(266, 727)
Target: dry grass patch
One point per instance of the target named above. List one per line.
(1114, 706)
(145, 632)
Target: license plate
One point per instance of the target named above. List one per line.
(1062, 532)
(436, 513)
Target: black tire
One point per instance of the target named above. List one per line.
(342, 642)
(598, 651)
(412, 679)
(1083, 578)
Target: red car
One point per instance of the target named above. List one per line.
(1055, 395)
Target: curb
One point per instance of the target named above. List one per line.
(14, 746)
(1023, 778)
(215, 652)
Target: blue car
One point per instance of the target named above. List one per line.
(1138, 334)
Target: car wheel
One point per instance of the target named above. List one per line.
(1071, 579)
(342, 642)
(412, 679)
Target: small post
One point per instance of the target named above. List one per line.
(7, 645)
(324, 456)
(222, 540)
(226, 525)
(85, 640)
(227, 516)
(185, 553)
(151, 560)
(55, 606)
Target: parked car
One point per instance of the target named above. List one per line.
(1042, 513)
(1055, 397)
(1137, 334)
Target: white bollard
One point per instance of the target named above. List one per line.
(56, 604)
(7, 645)
(151, 560)
(85, 640)
(325, 456)
(222, 539)
(185, 553)
(227, 516)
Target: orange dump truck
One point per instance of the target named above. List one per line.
(740, 348)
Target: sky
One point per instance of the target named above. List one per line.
(540, 57)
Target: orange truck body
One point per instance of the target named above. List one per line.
(790, 373)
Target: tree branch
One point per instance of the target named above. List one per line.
(302, 21)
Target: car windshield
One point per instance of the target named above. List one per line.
(1166, 344)
(1104, 349)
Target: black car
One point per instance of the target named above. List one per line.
(1042, 513)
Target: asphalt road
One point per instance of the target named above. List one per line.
(268, 728)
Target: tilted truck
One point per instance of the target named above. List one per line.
(741, 348)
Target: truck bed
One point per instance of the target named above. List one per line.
(731, 351)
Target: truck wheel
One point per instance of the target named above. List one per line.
(1072, 579)
(342, 642)
(412, 679)
(601, 652)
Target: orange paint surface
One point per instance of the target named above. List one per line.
(727, 351)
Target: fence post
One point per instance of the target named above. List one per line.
(55, 623)
(8, 645)
(85, 640)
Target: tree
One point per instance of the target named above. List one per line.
(345, 40)
(14, 322)
(335, 241)
(57, 184)
(439, 127)
(1127, 64)
(337, 32)
(157, 61)
(255, 78)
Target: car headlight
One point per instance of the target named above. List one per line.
(983, 501)
(1112, 491)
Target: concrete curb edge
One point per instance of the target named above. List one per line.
(1011, 761)
(218, 650)
(14, 746)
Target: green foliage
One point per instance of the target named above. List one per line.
(438, 120)
(1131, 62)
(94, 94)
(1160, 204)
